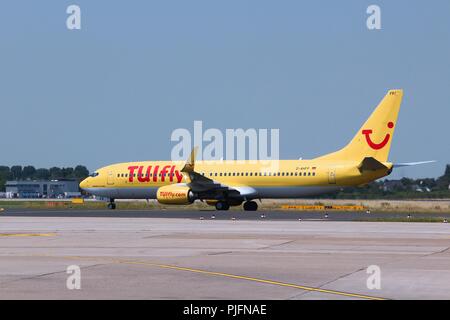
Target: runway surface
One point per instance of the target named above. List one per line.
(223, 215)
(135, 256)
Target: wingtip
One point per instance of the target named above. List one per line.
(395, 92)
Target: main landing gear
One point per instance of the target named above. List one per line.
(111, 204)
(222, 205)
(250, 206)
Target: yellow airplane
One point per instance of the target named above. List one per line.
(231, 183)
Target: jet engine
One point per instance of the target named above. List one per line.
(175, 194)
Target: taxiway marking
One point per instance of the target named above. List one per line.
(226, 275)
(27, 234)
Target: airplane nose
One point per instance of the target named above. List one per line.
(84, 184)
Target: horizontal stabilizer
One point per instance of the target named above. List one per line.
(370, 164)
(409, 164)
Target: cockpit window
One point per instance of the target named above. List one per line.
(93, 174)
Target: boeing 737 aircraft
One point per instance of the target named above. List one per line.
(231, 183)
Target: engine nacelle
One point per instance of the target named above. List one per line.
(175, 194)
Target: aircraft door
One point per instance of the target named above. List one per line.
(110, 178)
(332, 176)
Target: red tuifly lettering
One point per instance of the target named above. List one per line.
(155, 174)
(146, 177)
(163, 172)
(141, 176)
(131, 174)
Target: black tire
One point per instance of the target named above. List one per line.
(111, 206)
(222, 205)
(250, 206)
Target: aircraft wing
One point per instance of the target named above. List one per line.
(207, 188)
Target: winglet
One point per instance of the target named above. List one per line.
(190, 163)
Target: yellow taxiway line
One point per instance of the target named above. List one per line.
(27, 234)
(282, 284)
(227, 275)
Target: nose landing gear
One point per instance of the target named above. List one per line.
(111, 204)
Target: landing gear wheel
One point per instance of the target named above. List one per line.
(111, 204)
(250, 206)
(222, 205)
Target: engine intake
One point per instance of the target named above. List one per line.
(175, 194)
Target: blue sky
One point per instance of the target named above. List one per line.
(116, 89)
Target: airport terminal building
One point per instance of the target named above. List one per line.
(42, 189)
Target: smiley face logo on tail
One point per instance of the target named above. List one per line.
(380, 145)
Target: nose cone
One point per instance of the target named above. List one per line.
(84, 184)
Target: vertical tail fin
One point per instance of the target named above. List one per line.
(375, 136)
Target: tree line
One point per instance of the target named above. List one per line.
(31, 173)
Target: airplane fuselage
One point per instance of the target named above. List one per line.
(261, 179)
